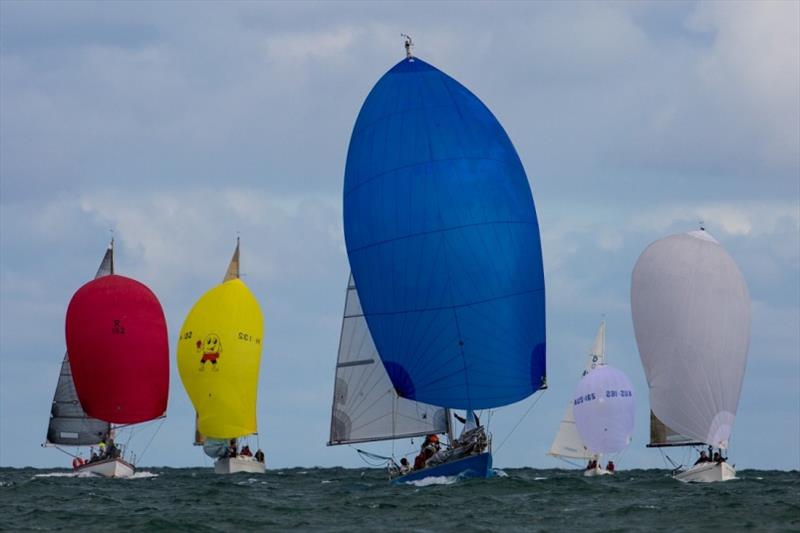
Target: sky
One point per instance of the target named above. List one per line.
(181, 125)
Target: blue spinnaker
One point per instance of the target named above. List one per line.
(443, 242)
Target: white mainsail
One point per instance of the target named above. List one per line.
(691, 316)
(365, 404)
(568, 442)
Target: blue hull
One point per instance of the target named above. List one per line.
(473, 466)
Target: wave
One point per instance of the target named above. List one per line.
(433, 480)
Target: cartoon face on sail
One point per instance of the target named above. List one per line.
(219, 353)
(443, 243)
(210, 348)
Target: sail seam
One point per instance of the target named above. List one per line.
(412, 165)
(445, 307)
(439, 230)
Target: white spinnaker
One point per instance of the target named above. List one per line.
(604, 410)
(365, 404)
(691, 315)
(568, 442)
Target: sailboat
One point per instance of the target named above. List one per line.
(219, 353)
(69, 424)
(118, 358)
(604, 414)
(444, 250)
(691, 316)
(568, 443)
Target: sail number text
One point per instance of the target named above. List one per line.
(249, 338)
(622, 393)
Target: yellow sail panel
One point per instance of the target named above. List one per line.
(219, 351)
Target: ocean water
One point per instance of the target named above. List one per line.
(347, 500)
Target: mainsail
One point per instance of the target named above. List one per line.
(117, 344)
(568, 442)
(661, 435)
(691, 316)
(443, 243)
(604, 410)
(366, 406)
(69, 424)
(219, 353)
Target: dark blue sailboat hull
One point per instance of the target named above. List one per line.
(474, 466)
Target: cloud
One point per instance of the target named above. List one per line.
(633, 120)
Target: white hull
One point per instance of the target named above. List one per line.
(233, 465)
(597, 471)
(116, 468)
(706, 473)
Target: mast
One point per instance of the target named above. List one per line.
(450, 434)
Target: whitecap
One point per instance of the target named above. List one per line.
(61, 474)
(143, 475)
(433, 480)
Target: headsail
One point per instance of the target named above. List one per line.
(568, 442)
(365, 405)
(443, 243)
(118, 349)
(691, 315)
(219, 353)
(69, 424)
(604, 410)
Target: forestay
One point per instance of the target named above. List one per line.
(443, 243)
(568, 442)
(365, 404)
(604, 410)
(691, 315)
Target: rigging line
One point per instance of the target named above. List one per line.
(65, 451)
(519, 422)
(141, 456)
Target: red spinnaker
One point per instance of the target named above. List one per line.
(118, 348)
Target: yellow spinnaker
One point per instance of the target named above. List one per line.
(219, 351)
